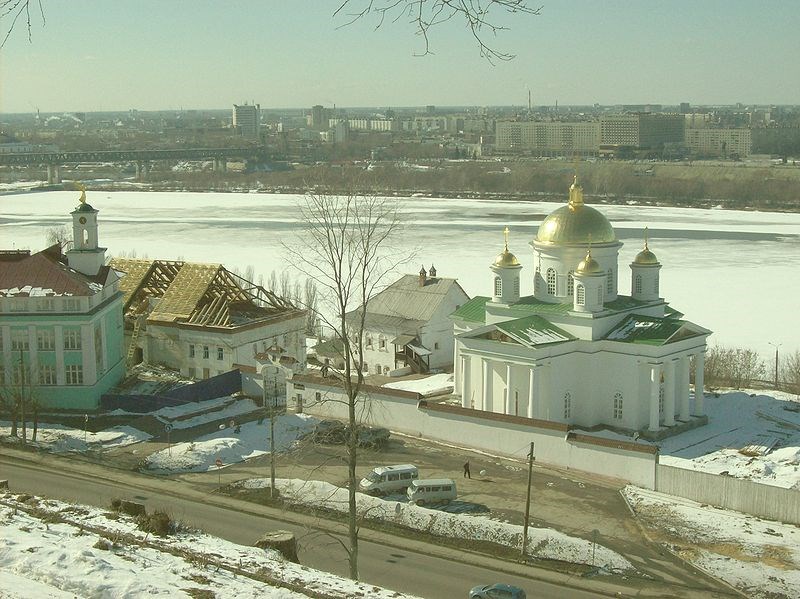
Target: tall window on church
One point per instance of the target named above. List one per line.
(551, 281)
(637, 284)
(600, 295)
(655, 285)
(498, 286)
(617, 406)
(610, 281)
(567, 406)
(570, 284)
(536, 279)
(661, 399)
(516, 286)
(581, 295)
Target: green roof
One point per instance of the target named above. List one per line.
(649, 330)
(533, 331)
(474, 310)
(671, 312)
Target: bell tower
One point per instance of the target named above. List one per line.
(85, 256)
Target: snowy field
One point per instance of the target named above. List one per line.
(251, 441)
(759, 557)
(544, 543)
(726, 270)
(43, 557)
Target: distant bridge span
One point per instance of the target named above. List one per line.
(53, 160)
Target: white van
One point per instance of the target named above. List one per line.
(433, 490)
(388, 479)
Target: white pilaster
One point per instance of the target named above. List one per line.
(487, 384)
(509, 397)
(669, 392)
(61, 375)
(683, 389)
(465, 384)
(655, 383)
(531, 394)
(33, 359)
(544, 392)
(87, 355)
(699, 365)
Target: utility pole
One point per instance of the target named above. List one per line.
(272, 437)
(527, 503)
(22, 396)
(776, 346)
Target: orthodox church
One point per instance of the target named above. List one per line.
(577, 351)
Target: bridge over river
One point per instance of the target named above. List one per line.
(142, 158)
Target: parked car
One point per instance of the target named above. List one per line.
(496, 591)
(432, 490)
(329, 431)
(388, 479)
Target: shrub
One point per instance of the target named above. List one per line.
(158, 523)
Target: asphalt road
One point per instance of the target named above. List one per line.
(380, 564)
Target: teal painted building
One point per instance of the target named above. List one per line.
(61, 330)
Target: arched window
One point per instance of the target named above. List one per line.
(581, 295)
(600, 295)
(570, 284)
(610, 281)
(637, 284)
(498, 286)
(551, 281)
(377, 368)
(617, 406)
(567, 405)
(661, 398)
(655, 285)
(516, 286)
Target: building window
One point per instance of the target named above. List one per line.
(191, 350)
(637, 284)
(206, 373)
(581, 293)
(46, 304)
(220, 353)
(600, 296)
(369, 342)
(382, 343)
(570, 284)
(19, 340)
(72, 339)
(377, 369)
(436, 345)
(318, 396)
(71, 304)
(567, 405)
(498, 286)
(18, 305)
(551, 281)
(516, 286)
(47, 374)
(192, 372)
(610, 282)
(661, 398)
(205, 353)
(655, 285)
(74, 374)
(618, 406)
(385, 370)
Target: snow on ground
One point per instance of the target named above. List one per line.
(252, 440)
(42, 557)
(180, 417)
(64, 439)
(437, 384)
(544, 543)
(759, 557)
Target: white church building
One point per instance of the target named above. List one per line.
(577, 351)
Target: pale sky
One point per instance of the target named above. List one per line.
(169, 54)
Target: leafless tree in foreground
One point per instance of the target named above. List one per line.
(14, 10)
(480, 16)
(790, 372)
(346, 248)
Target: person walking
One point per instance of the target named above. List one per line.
(466, 470)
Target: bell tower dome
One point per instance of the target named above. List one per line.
(644, 274)
(506, 267)
(85, 256)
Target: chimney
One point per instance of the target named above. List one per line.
(423, 277)
(432, 271)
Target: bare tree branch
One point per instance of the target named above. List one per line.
(15, 9)
(480, 17)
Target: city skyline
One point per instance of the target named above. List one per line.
(209, 55)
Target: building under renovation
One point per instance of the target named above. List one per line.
(204, 320)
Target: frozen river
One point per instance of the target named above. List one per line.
(735, 273)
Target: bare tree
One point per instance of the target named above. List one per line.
(790, 372)
(58, 235)
(345, 249)
(16, 9)
(735, 367)
(481, 18)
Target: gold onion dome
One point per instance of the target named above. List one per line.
(576, 223)
(645, 257)
(506, 258)
(588, 266)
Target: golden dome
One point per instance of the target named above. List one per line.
(576, 223)
(588, 266)
(645, 257)
(506, 258)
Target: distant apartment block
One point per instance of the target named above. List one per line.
(641, 130)
(247, 119)
(723, 143)
(318, 119)
(548, 138)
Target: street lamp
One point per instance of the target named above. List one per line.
(776, 346)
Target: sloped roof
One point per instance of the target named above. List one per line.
(473, 311)
(651, 330)
(533, 331)
(184, 294)
(135, 272)
(46, 274)
(405, 305)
